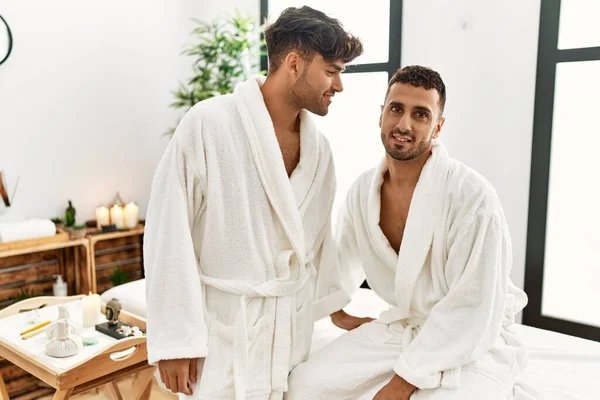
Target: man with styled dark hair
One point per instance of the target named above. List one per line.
(430, 235)
(238, 252)
(309, 32)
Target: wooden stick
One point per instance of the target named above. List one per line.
(3, 390)
(62, 394)
(141, 383)
(3, 191)
(113, 391)
(35, 328)
(32, 334)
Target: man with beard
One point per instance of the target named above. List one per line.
(430, 235)
(238, 251)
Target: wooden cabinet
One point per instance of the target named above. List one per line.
(31, 271)
(109, 251)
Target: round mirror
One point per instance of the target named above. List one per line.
(5, 40)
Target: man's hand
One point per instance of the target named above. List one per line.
(396, 389)
(179, 375)
(347, 321)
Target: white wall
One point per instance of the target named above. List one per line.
(84, 97)
(486, 52)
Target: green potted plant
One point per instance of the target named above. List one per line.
(225, 53)
(59, 222)
(118, 277)
(70, 213)
(24, 294)
(78, 231)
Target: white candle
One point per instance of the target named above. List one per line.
(90, 306)
(116, 216)
(102, 217)
(131, 215)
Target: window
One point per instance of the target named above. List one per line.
(563, 241)
(352, 123)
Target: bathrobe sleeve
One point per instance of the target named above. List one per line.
(342, 251)
(347, 249)
(175, 310)
(331, 293)
(467, 321)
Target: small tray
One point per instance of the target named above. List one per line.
(111, 330)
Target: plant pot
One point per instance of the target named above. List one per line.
(78, 233)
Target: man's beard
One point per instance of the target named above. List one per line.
(414, 150)
(305, 96)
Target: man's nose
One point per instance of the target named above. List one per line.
(337, 84)
(404, 123)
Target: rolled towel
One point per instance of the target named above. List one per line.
(28, 229)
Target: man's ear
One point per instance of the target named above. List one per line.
(381, 115)
(438, 128)
(294, 64)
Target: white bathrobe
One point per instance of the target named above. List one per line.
(239, 258)
(448, 329)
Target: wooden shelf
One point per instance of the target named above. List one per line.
(44, 247)
(115, 235)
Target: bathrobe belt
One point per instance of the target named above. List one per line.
(409, 328)
(283, 290)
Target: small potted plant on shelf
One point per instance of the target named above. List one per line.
(78, 231)
(59, 222)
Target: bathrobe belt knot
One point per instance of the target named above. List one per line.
(408, 328)
(281, 288)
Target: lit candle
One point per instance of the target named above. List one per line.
(116, 216)
(90, 306)
(102, 217)
(131, 215)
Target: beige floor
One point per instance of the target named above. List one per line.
(157, 393)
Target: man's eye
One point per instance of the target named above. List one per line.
(396, 109)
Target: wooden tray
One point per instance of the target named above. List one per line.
(19, 244)
(108, 364)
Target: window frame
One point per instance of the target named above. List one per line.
(549, 56)
(394, 45)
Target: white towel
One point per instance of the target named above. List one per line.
(28, 229)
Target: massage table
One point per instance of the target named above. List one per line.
(561, 367)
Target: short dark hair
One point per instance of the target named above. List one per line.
(419, 76)
(309, 31)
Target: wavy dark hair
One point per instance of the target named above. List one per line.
(419, 76)
(309, 31)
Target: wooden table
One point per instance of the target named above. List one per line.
(104, 367)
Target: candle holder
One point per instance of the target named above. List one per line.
(109, 228)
